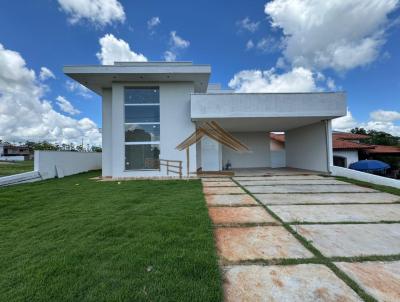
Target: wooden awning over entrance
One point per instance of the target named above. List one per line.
(217, 133)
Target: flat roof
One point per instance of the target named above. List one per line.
(97, 77)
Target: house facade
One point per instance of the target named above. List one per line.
(149, 108)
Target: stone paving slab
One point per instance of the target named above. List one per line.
(338, 213)
(223, 190)
(219, 184)
(237, 215)
(309, 189)
(251, 243)
(270, 199)
(349, 240)
(230, 200)
(277, 177)
(328, 181)
(217, 179)
(379, 279)
(294, 283)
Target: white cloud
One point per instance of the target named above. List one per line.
(385, 116)
(169, 56)
(388, 127)
(78, 88)
(153, 22)
(331, 34)
(330, 83)
(380, 121)
(46, 73)
(97, 12)
(113, 50)
(66, 106)
(249, 45)
(297, 80)
(247, 24)
(26, 115)
(178, 42)
(344, 123)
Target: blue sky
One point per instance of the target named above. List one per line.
(284, 46)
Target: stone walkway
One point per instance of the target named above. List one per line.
(304, 237)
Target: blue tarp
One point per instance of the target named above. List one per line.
(369, 165)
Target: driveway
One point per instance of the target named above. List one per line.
(294, 236)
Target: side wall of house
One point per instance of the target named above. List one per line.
(259, 155)
(175, 126)
(307, 147)
(350, 155)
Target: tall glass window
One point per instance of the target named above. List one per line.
(142, 128)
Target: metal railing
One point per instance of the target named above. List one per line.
(173, 166)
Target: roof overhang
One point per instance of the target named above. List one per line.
(267, 111)
(98, 77)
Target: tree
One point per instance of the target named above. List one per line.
(377, 137)
(96, 149)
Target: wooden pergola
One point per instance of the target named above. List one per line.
(215, 132)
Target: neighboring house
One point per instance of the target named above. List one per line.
(9, 151)
(149, 108)
(347, 148)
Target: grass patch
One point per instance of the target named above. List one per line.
(386, 189)
(11, 168)
(76, 239)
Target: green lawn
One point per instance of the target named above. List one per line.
(386, 189)
(76, 239)
(10, 168)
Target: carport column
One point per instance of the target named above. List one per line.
(211, 155)
(328, 129)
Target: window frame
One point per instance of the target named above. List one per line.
(141, 123)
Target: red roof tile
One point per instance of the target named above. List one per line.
(384, 149)
(351, 136)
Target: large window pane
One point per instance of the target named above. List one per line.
(142, 157)
(142, 114)
(142, 95)
(142, 133)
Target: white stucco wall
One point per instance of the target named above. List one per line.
(211, 154)
(306, 147)
(350, 155)
(362, 176)
(63, 163)
(175, 126)
(278, 158)
(259, 156)
(107, 133)
(217, 105)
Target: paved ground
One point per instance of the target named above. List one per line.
(294, 236)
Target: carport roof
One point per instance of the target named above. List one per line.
(243, 112)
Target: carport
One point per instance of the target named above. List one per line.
(304, 117)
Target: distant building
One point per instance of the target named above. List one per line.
(9, 150)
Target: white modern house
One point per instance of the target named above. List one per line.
(151, 107)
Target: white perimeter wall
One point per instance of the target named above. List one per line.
(351, 156)
(175, 126)
(63, 163)
(258, 142)
(362, 176)
(306, 147)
